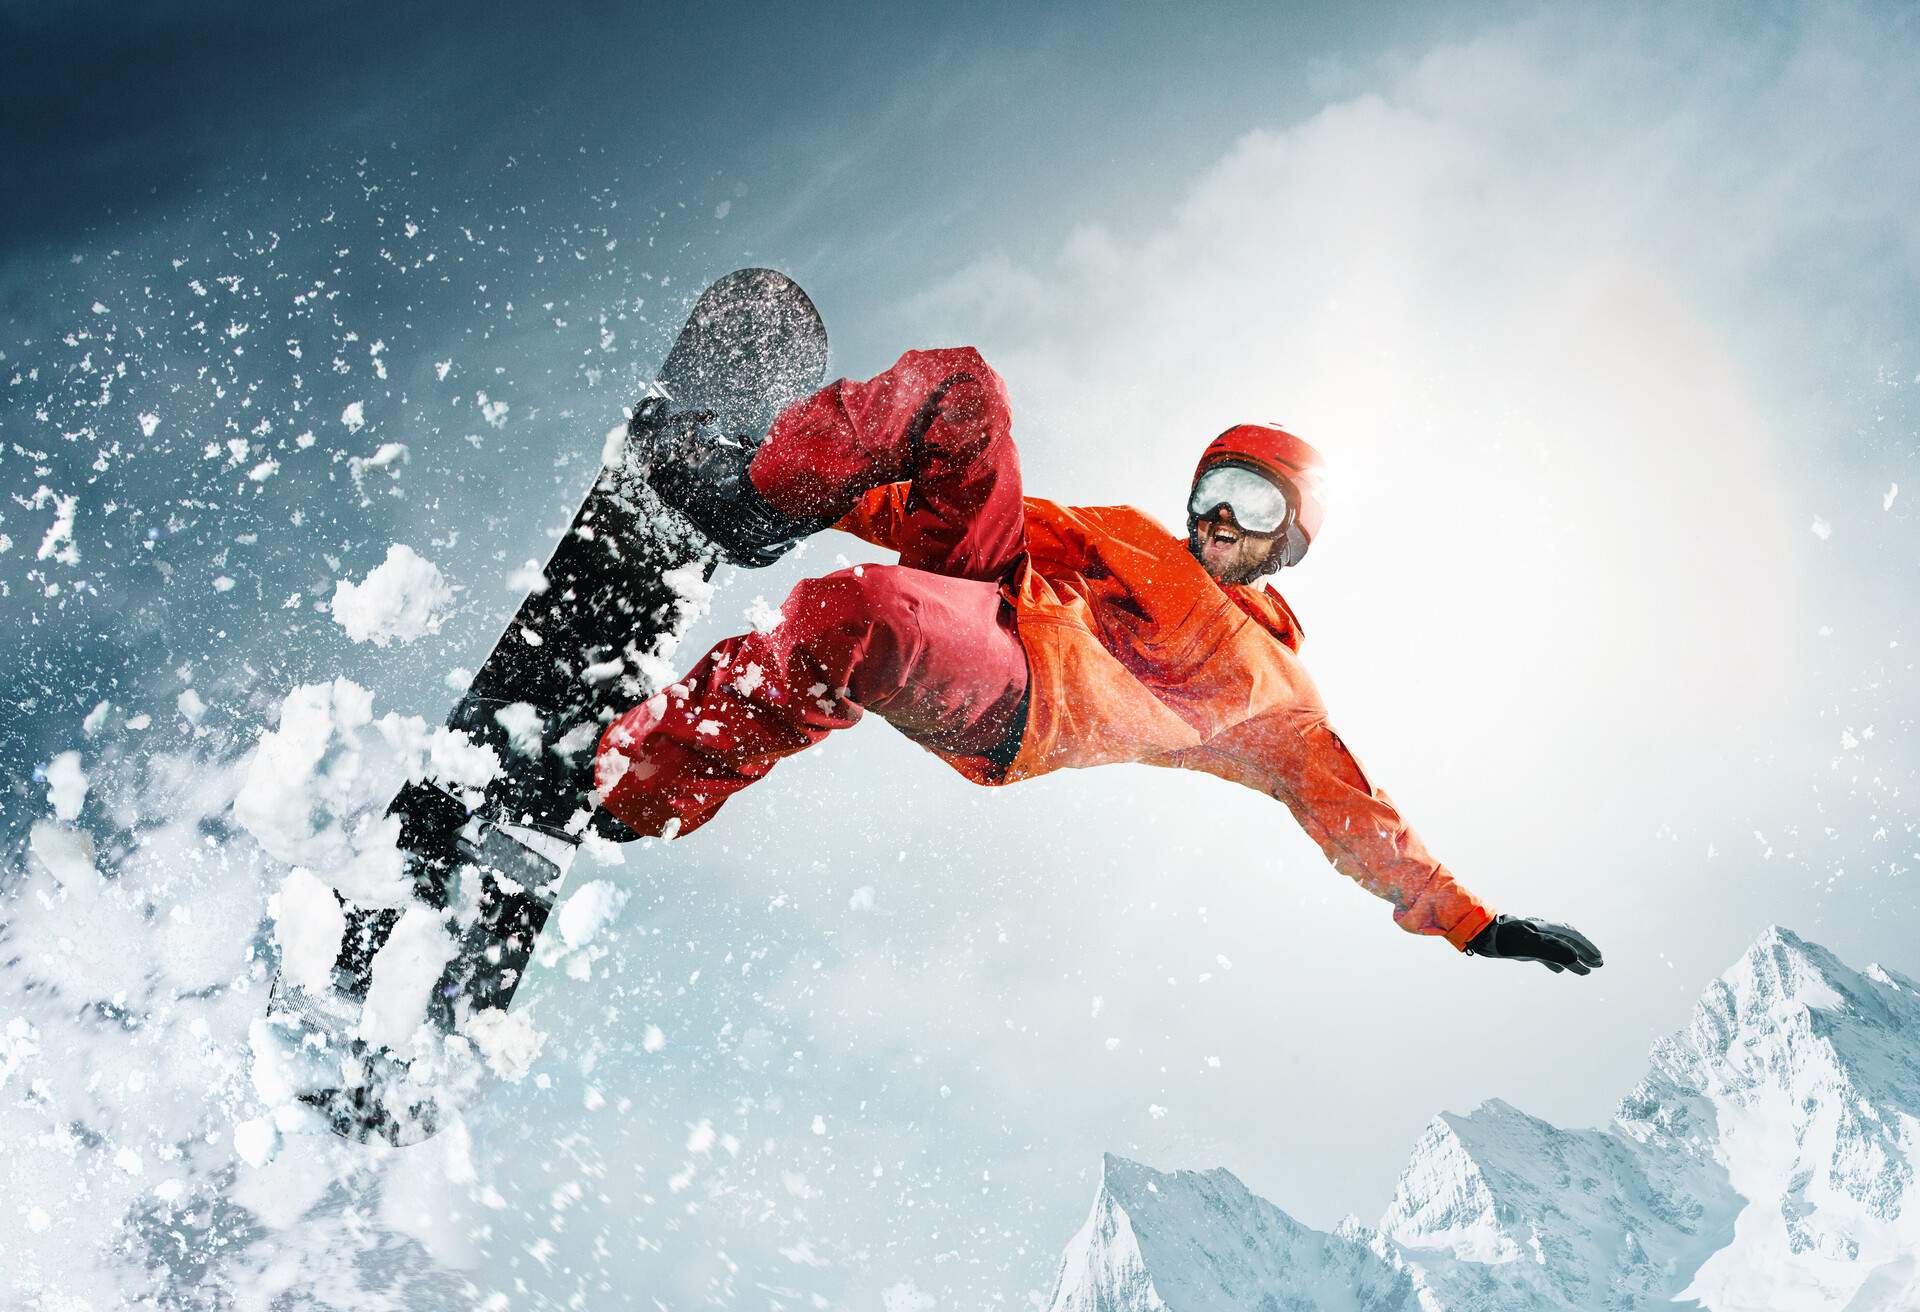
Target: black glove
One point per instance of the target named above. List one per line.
(1519, 938)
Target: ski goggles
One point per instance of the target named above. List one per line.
(1259, 504)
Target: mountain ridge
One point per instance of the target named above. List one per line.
(1766, 1161)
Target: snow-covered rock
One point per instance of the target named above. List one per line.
(1765, 1163)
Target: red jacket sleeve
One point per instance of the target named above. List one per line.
(1293, 754)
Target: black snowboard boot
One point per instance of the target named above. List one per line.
(702, 473)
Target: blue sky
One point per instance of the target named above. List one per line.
(1606, 318)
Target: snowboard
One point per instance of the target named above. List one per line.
(485, 867)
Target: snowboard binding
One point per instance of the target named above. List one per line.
(495, 883)
(700, 471)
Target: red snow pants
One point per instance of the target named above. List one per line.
(928, 644)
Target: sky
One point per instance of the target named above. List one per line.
(1605, 320)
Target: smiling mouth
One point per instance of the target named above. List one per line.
(1223, 535)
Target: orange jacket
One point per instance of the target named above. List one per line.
(1136, 654)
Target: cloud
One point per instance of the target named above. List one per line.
(1523, 294)
(1544, 298)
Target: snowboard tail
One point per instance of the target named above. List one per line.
(577, 652)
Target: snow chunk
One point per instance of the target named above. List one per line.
(528, 579)
(254, 1140)
(389, 457)
(763, 617)
(404, 973)
(149, 423)
(613, 446)
(494, 412)
(190, 706)
(354, 416)
(403, 599)
(67, 855)
(66, 785)
(1822, 529)
(587, 911)
(689, 582)
(522, 723)
(604, 672)
(508, 1041)
(1886, 502)
(308, 924)
(286, 789)
(454, 758)
(61, 530)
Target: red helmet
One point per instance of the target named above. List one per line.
(1287, 460)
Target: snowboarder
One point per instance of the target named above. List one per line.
(1016, 636)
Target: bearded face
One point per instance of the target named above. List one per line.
(1229, 552)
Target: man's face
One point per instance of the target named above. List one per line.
(1228, 552)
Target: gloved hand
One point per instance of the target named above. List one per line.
(1520, 938)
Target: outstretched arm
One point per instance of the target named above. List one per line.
(1293, 754)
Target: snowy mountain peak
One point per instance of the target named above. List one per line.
(1766, 1161)
(1470, 1185)
(1790, 1018)
(1797, 1083)
(1163, 1242)
(1783, 973)
(1104, 1269)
